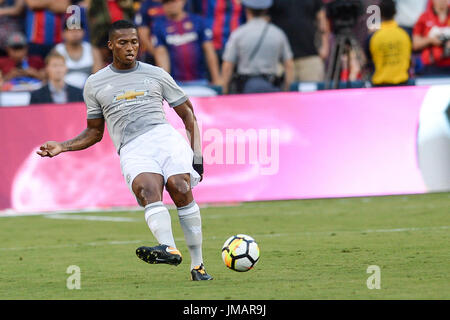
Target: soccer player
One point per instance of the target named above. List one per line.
(128, 95)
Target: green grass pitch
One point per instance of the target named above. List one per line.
(310, 249)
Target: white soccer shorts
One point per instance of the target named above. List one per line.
(161, 150)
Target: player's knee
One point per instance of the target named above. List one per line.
(179, 186)
(147, 193)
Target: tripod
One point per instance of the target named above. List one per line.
(344, 46)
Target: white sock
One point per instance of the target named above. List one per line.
(158, 219)
(191, 223)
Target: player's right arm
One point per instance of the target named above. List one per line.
(90, 136)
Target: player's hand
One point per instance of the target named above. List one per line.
(50, 149)
(435, 41)
(197, 164)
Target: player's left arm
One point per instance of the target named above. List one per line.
(186, 112)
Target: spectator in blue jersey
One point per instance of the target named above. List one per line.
(183, 45)
(43, 24)
(222, 16)
(147, 13)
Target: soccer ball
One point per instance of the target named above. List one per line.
(240, 252)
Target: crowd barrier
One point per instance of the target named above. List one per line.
(315, 86)
(360, 142)
(22, 98)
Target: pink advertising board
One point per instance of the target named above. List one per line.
(257, 147)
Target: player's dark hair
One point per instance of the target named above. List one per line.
(119, 25)
(388, 10)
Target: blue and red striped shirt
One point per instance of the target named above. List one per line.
(43, 27)
(184, 41)
(222, 16)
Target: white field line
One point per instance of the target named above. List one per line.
(257, 236)
(92, 218)
(10, 213)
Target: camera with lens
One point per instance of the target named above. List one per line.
(343, 14)
(443, 34)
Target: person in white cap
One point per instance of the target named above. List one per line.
(257, 47)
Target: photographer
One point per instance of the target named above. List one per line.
(431, 35)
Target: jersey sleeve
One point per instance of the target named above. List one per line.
(205, 33)
(94, 110)
(231, 53)
(142, 18)
(171, 91)
(158, 36)
(419, 27)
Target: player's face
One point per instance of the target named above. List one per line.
(173, 7)
(124, 46)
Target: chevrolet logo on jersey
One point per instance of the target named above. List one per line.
(130, 95)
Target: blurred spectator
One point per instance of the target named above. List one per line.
(10, 22)
(431, 35)
(256, 48)
(18, 66)
(408, 12)
(56, 91)
(83, 6)
(183, 45)
(222, 17)
(302, 21)
(101, 14)
(389, 48)
(43, 24)
(78, 55)
(147, 13)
